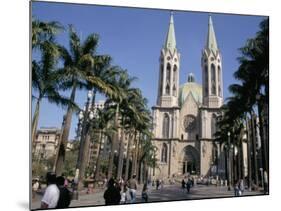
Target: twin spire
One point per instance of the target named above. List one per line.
(211, 43)
(171, 37)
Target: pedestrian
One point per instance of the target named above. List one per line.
(112, 194)
(144, 194)
(104, 183)
(65, 195)
(241, 187)
(161, 184)
(236, 188)
(52, 193)
(132, 184)
(35, 188)
(265, 182)
(157, 184)
(188, 185)
(183, 184)
(124, 197)
(192, 181)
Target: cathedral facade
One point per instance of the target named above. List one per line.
(184, 117)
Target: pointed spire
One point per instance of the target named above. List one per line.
(171, 37)
(211, 38)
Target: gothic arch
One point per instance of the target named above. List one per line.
(213, 79)
(168, 74)
(174, 90)
(175, 73)
(164, 153)
(219, 80)
(166, 126)
(206, 80)
(213, 125)
(161, 79)
(189, 160)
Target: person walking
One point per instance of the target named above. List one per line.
(236, 189)
(161, 184)
(183, 184)
(188, 185)
(124, 197)
(132, 184)
(52, 193)
(112, 194)
(65, 196)
(157, 184)
(144, 193)
(35, 188)
(241, 187)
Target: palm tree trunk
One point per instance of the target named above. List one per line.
(35, 121)
(113, 143)
(65, 134)
(121, 156)
(264, 155)
(133, 170)
(249, 156)
(84, 153)
(97, 171)
(239, 161)
(128, 158)
(137, 157)
(138, 162)
(254, 142)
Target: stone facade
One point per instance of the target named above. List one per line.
(184, 117)
(46, 143)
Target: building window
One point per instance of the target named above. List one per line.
(166, 123)
(167, 89)
(214, 125)
(213, 79)
(219, 79)
(161, 79)
(164, 153)
(206, 80)
(168, 76)
(174, 91)
(174, 73)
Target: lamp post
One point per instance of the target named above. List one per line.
(228, 162)
(85, 118)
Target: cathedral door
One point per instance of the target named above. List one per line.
(190, 161)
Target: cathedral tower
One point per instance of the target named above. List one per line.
(212, 71)
(168, 86)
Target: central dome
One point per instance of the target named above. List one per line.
(190, 87)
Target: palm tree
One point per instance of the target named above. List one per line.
(44, 31)
(254, 74)
(76, 74)
(119, 106)
(44, 79)
(45, 82)
(251, 94)
(105, 130)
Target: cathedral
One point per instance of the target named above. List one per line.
(185, 115)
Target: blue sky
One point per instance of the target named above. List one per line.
(134, 38)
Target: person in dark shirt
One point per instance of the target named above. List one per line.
(65, 196)
(112, 195)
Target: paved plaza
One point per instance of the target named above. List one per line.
(168, 193)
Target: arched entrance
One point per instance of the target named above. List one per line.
(190, 161)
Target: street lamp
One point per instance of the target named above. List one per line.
(85, 120)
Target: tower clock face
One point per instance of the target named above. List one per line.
(189, 123)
